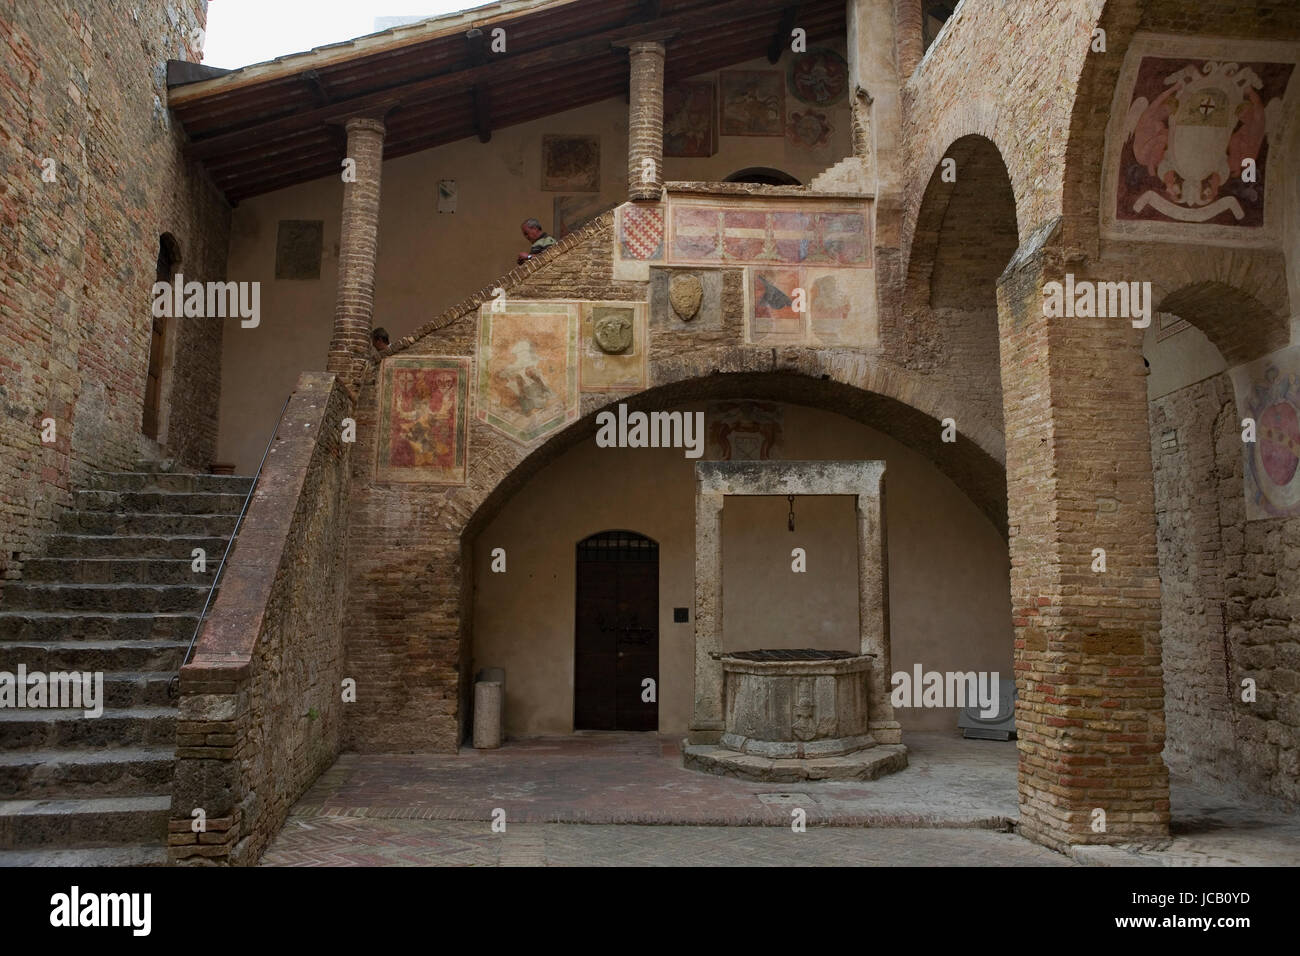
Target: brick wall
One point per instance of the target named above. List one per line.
(83, 84)
(1231, 602)
(261, 709)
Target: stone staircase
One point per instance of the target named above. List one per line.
(116, 593)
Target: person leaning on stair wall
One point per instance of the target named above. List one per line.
(533, 232)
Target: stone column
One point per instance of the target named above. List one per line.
(707, 724)
(873, 610)
(359, 245)
(1090, 716)
(645, 130)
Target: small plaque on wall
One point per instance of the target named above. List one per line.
(298, 248)
(446, 195)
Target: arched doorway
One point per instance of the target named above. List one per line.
(616, 633)
(763, 176)
(169, 257)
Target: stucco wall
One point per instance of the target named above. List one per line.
(948, 570)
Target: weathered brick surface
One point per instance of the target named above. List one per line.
(261, 707)
(1231, 601)
(83, 83)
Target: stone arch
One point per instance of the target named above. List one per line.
(903, 405)
(974, 211)
(763, 175)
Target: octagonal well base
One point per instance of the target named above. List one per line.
(865, 764)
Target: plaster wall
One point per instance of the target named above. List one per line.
(948, 570)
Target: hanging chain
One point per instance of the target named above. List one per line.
(790, 498)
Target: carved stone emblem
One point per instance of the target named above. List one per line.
(686, 293)
(612, 329)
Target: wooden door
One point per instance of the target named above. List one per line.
(617, 633)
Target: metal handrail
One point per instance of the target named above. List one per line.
(173, 686)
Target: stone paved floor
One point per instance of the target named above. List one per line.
(946, 809)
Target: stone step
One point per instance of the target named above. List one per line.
(115, 771)
(106, 522)
(137, 688)
(102, 821)
(145, 854)
(176, 547)
(118, 571)
(159, 502)
(32, 626)
(43, 728)
(47, 596)
(106, 656)
(163, 481)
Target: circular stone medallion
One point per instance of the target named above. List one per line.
(612, 329)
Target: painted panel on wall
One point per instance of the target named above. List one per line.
(1194, 138)
(613, 346)
(809, 306)
(819, 77)
(746, 233)
(1268, 390)
(753, 103)
(423, 411)
(571, 164)
(527, 385)
(690, 118)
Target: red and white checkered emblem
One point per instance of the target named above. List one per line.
(642, 233)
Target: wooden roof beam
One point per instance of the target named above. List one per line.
(788, 17)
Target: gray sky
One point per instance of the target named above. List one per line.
(241, 32)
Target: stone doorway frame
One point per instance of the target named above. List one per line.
(864, 481)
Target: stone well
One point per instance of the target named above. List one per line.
(796, 703)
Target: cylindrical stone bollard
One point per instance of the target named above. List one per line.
(487, 715)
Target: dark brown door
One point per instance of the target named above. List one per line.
(153, 386)
(617, 639)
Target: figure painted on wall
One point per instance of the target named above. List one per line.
(690, 118)
(527, 376)
(753, 103)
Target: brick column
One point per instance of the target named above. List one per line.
(355, 302)
(645, 132)
(1090, 715)
(908, 16)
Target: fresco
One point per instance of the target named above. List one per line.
(571, 164)
(690, 118)
(527, 385)
(819, 77)
(574, 212)
(613, 346)
(753, 103)
(641, 233)
(809, 306)
(715, 234)
(744, 430)
(1268, 391)
(423, 411)
(1191, 151)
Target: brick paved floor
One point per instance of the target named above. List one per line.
(945, 809)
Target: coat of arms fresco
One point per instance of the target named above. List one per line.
(423, 410)
(1268, 391)
(1194, 140)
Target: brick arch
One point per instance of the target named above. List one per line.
(965, 231)
(901, 404)
(1237, 297)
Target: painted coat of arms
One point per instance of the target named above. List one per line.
(527, 368)
(422, 418)
(1268, 391)
(1195, 141)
